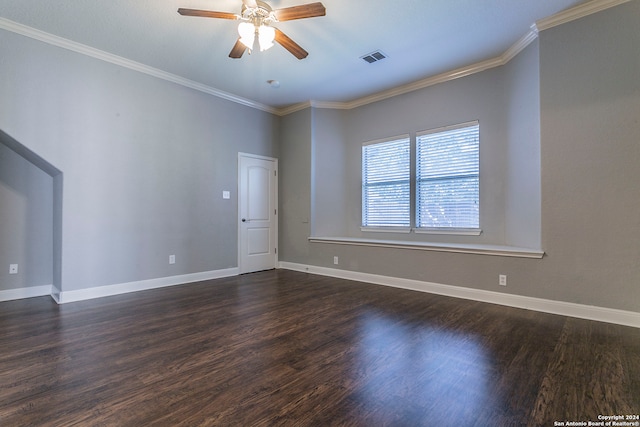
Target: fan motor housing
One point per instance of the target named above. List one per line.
(263, 11)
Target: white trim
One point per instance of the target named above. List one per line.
(29, 292)
(55, 294)
(600, 314)
(240, 200)
(285, 111)
(472, 123)
(450, 232)
(560, 18)
(404, 137)
(335, 105)
(420, 84)
(563, 17)
(400, 230)
(126, 63)
(142, 285)
(257, 156)
(577, 12)
(521, 44)
(477, 249)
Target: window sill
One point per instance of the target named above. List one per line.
(496, 250)
(403, 230)
(407, 230)
(451, 231)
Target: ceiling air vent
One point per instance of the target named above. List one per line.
(374, 57)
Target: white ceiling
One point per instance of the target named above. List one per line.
(422, 38)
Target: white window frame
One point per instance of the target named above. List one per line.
(445, 229)
(388, 228)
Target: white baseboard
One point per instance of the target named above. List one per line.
(30, 292)
(63, 297)
(601, 314)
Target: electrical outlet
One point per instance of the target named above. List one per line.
(335, 260)
(13, 268)
(502, 280)
(172, 259)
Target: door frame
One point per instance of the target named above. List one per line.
(239, 208)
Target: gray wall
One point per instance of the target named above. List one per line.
(294, 187)
(328, 173)
(26, 224)
(145, 162)
(590, 130)
(506, 103)
(522, 202)
(560, 163)
(478, 97)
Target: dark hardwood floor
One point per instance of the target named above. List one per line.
(293, 349)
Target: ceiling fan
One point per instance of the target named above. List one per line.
(257, 17)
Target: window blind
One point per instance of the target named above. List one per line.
(447, 175)
(386, 184)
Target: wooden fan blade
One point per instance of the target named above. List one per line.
(290, 45)
(250, 3)
(299, 12)
(207, 13)
(238, 50)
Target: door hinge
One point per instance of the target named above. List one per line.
(276, 250)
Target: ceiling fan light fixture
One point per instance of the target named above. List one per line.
(248, 31)
(266, 36)
(247, 34)
(257, 17)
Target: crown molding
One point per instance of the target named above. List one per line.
(336, 105)
(293, 108)
(465, 71)
(61, 42)
(560, 18)
(429, 81)
(520, 45)
(577, 12)
(284, 111)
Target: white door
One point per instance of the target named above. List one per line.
(257, 213)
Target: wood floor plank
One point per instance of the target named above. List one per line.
(593, 372)
(283, 348)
